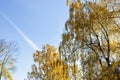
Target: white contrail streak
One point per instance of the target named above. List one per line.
(30, 42)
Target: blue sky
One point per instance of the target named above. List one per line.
(41, 20)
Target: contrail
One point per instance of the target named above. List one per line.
(30, 42)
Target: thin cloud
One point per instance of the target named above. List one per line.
(13, 25)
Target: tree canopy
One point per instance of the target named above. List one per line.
(92, 33)
(7, 59)
(49, 65)
(90, 46)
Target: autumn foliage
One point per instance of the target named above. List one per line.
(49, 65)
(92, 33)
(7, 59)
(90, 47)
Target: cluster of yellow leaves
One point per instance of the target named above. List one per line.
(6, 73)
(50, 64)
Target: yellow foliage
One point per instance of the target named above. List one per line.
(50, 64)
(7, 74)
(54, 55)
(113, 45)
(96, 33)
